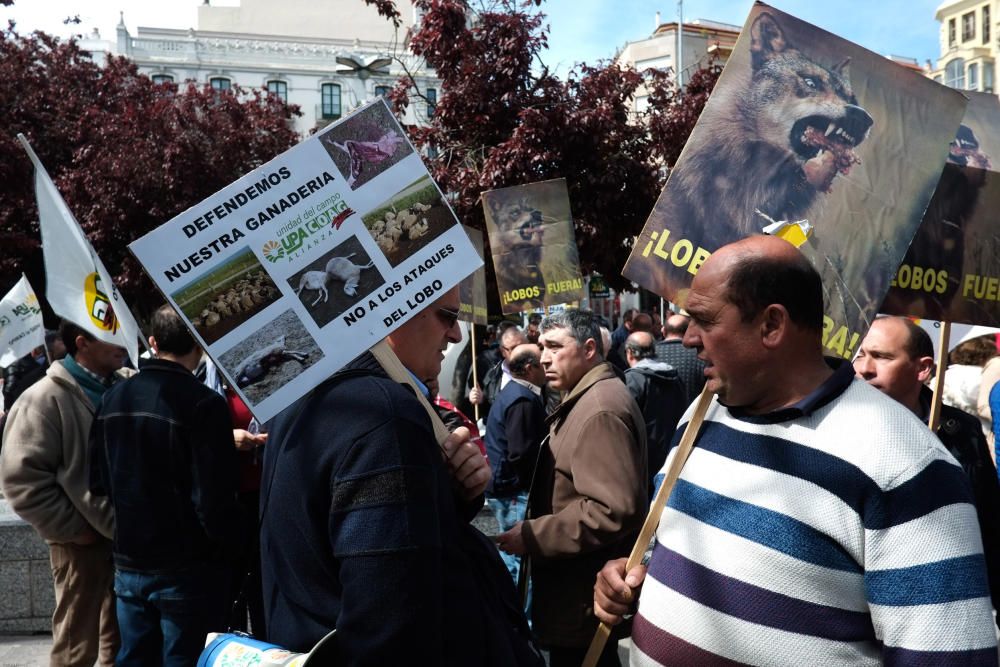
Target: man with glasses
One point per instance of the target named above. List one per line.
(362, 514)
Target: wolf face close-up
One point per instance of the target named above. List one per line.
(520, 232)
(774, 147)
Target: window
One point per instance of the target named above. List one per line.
(382, 91)
(986, 24)
(220, 83)
(972, 78)
(954, 73)
(987, 77)
(162, 78)
(330, 95)
(278, 88)
(968, 26)
(951, 32)
(432, 100)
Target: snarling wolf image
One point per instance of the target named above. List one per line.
(518, 254)
(774, 146)
(256, 366)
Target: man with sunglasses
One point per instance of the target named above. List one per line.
(364, 515)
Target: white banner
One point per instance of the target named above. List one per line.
(21, 326)
(78, 287)
(301, 265)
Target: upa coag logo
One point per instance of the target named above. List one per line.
(307, 230)
(98, 305)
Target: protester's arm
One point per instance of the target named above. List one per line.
(525, 430)
(469, 470)
(986, 491)
(924, 572)
(385, 535)
(609, 475)
(32, 454)
(990, 376)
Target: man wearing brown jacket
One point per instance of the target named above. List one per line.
(588, 499)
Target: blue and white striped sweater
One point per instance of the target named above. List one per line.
(843, 537)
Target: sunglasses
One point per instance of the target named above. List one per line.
(448, 316)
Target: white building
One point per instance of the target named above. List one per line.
(701, 40)
(326, 57)
(969, 44)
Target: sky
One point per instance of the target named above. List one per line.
(581, 30)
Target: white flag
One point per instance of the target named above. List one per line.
(78, 287)
(21, 326)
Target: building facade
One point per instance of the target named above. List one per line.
(969, 45)
(326, 57)
(701, 41)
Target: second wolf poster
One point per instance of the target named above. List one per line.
(805, 127)
(533, 245)
(952, 270)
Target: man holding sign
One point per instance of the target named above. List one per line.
(362, 518)
(816, 521)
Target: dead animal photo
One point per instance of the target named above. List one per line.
(271, 357)
(333, 283)
(366, 144)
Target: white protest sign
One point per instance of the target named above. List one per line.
(298, 267)
(21, 326)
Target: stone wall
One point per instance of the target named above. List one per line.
(26, 596)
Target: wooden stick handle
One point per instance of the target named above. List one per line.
(475, 378)
(395, 369)
(655, 511)
(942, 366)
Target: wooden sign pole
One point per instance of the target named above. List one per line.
(942, 366)
(655, 510)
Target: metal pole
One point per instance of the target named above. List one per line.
(680, 42)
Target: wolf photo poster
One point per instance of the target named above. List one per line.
(284, 276)
(951, 271)
(818, 140)
(533, 245)
(472, 289)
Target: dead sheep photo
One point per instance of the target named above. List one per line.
(271, 357)
(331, 284)
(366, 144)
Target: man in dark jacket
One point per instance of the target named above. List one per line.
(499, 375)
(690, 369)
(897, 358)
(364, 517)
(514, 431)
(660, 395)
(165, 457)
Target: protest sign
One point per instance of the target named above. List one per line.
(304, 263)
(77, 285)
(472, 289)
(533, 245)
(814, 139)
(952, 269)
(21, 326)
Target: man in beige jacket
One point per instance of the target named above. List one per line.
(45, 476)
(589, 495)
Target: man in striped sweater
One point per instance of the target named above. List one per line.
(817, 521)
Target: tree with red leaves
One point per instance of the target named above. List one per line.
(126, 154)
(504, 119)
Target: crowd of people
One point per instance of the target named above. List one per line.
(818, 519)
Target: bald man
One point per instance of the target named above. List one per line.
(659, 393)
(816, 521)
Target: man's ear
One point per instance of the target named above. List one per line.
(153, 346)
(590, 349)
(774, 325)
(925, 366)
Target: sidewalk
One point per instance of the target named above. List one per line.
(25, 650)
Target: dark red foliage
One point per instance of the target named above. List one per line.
(504, 119)
(126, 154)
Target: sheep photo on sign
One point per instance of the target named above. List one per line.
(284, 275)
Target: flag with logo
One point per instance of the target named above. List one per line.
(78, 288)
(21, 326)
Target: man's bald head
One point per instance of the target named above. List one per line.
(675, 326)
(511, 338)
(525, 363)
(638, 346)
(761, 270)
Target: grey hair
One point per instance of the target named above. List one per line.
(581, 325)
